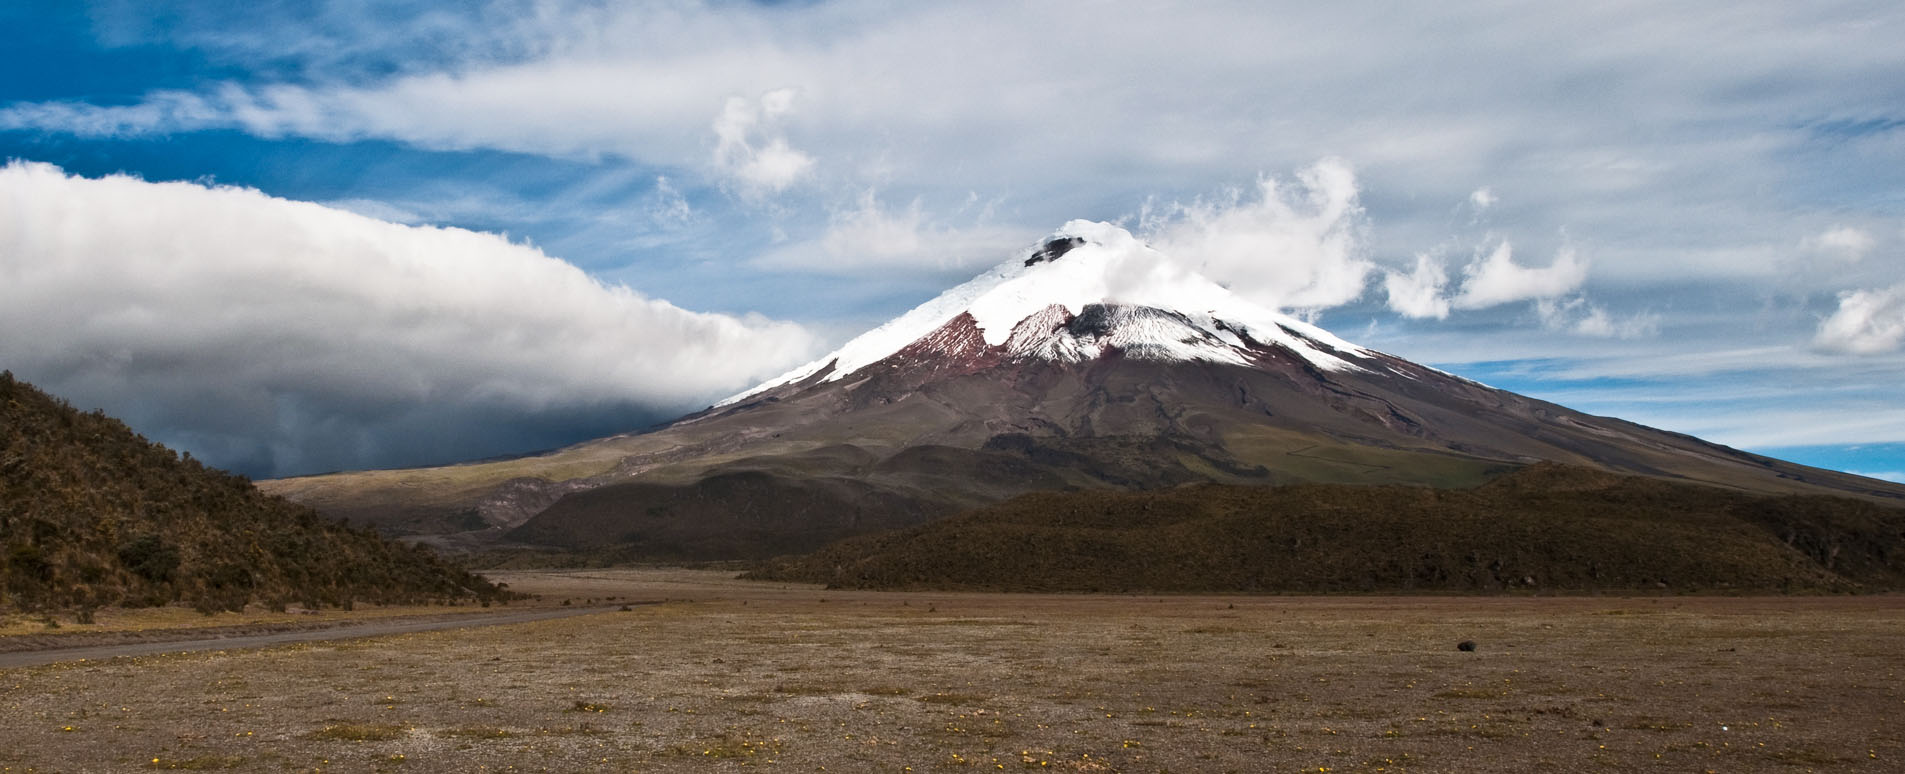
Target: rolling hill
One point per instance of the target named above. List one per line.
(92, 514)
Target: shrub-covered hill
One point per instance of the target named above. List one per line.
(1546, 527)
(92, 514)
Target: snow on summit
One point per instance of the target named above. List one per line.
(1145, 305)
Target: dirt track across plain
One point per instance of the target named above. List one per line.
(184, 642)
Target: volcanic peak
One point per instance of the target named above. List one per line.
(1086, 291)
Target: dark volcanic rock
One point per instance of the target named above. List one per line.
(1053, 250)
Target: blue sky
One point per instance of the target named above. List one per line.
(294, 237)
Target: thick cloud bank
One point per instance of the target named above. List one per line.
(203, 314)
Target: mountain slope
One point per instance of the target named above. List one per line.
(1546, 527)
(1088, 362)
(91, 514)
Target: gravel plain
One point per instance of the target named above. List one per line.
(727, 675)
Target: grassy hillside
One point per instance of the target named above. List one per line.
(92, 514)
(1547, 527)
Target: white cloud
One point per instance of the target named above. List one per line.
(1621, 124)
(1294, 247)
(160, 112)
(1796, 424)
(751, 146)
(1598, 322)
(1868, 322)
(1496, 279)
(379, 210)
(1845, 242)
(1577, 315)
(1888, 475)
(982, 95)
(666, 206)
(870, 230)
(223, 310)
(1418, 294)
(870, 235)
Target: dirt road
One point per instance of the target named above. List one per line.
(345, 632)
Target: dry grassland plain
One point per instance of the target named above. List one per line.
(728, 675)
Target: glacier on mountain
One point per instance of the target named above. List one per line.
(1087, 289)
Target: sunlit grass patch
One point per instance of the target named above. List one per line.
(730, 746)
(197, 763)
(811, 689)
(477, 732)
(583, 729)
(1470, 693)
(358, 732)
(1216, 629)
(947, 697)
(1807, 756)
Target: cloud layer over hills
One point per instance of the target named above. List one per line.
(217, 311)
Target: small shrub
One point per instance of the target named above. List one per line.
(150, 558)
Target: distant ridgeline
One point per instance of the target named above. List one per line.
(1545, 528)
(92, 514)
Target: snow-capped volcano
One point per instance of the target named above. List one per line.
(1089, 289)
(1088, 361)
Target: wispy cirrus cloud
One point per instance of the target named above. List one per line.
(872, 235)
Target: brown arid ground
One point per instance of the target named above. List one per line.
(729, 675)
(30, 633)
